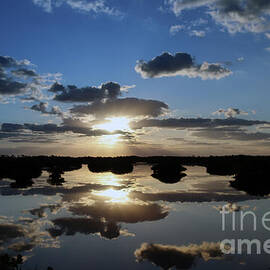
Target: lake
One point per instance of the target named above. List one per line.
(131, 221)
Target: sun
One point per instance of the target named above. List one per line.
(115, 123)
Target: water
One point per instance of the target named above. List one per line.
(131, 221)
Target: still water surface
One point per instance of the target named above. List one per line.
(131, 221)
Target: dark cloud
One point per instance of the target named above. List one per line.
(70, 226)
(72, 194)
(22, 246)
(8, 127)
(165, 63)
(21, 80)
(43, 108)
(180, 64)
(11, 87)
(118, 212)
(40, 212)
(72, 93)
(56, 87)
(23, 237)
(10, 231)
(18, 137)
(230, 112)
(68, 125)
(9, 62)
(193, 123)
(23, 72)
(234, 15)
(178, 257)
(122, 107)
(231, 134)
(2, 73)
(198, 196)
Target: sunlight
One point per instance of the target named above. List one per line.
(109, 179)
(115, 123)
(109, 139)
(114, 195)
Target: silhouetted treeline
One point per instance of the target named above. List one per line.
(168, 171)
(8, 262)
(250, 172)
(120, 165)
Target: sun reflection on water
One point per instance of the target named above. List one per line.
(120, 196)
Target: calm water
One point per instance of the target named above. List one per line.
(132, 221)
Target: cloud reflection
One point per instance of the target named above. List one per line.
(70, 226)
(179, 257)
(121, 212)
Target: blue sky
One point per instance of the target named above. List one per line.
(93, 42)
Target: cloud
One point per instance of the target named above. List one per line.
(45, 4)
(16, 79)
(240, 59)
(267, 35)
(177, 6)
(202, 195)
(197, 33)
(71, 93)
(10, 231)
(225, 133)
(70, 226)
(10, 87)
(96, 7)
(118, 212)
(69, 125)
(57, 87)
(230, 112)
(43, 108)
(176, 28)
(235, 16)
(182, 123)
(180, 64)
(230, 207)
(23, 72)
(9, 62)
(178, 257)
(71, 194)
(130, 107)
(22, 246)
(24, 237)
(40, 212)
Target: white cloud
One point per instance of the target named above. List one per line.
(267, 35)
(45, 4)
(97, 6)
(240, 59)
(197, 33)
(176, 28)
(235, 16)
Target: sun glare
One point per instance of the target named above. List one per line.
(109, 140)
(114, 195)
(113, 124)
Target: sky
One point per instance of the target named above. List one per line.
(137, 77)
